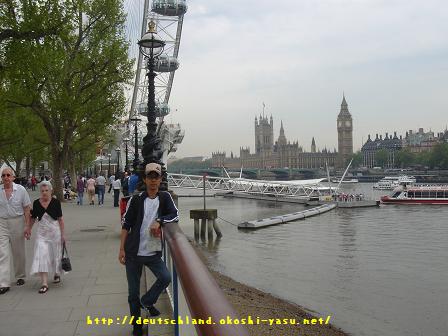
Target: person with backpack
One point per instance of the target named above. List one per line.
(125, 184)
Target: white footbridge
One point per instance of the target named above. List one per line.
(290, 189)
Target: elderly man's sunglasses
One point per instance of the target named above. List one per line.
(8, 175)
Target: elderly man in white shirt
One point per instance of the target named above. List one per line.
(14, 214)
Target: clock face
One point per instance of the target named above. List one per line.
(348, 123)
(339, 123)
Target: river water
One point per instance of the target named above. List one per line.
(376, 271)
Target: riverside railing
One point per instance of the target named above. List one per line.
(199, 296)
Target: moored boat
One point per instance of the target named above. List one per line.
(418, 194)
(391, 182)
(338, 180)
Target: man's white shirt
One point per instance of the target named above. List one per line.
(151, 207)
(14, 206)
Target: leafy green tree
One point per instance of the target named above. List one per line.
(357, 159)
(22, 136)
(72, 80)
(22, 21)
(381, 157)
(404, 158)
(439, 156)
(186, 163)
(423, 158)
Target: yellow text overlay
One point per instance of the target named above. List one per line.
(249, 320)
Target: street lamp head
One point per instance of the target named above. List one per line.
(109, 155)
(118, 149)
(150, 44)
(126, 140)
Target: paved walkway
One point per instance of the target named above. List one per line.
(96, 287)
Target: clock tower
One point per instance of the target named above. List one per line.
(345, 135)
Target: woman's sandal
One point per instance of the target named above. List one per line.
(57, 279)
(43, 289)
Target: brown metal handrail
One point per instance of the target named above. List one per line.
(204, 297)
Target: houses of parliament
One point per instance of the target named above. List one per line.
(283, 153)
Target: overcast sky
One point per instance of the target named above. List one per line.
(390, 57)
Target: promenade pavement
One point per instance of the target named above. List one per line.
(96, 287)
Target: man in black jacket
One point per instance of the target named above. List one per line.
(141, 242)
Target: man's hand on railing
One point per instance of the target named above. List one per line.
(122, 257)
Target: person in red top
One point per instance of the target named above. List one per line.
(33, 182)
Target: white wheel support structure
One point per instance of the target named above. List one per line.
(168, 15)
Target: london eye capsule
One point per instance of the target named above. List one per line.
(169, 7)
(162, 110)
(166, 63)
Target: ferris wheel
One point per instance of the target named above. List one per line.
(168, 16)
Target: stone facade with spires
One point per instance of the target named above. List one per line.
(415, 142)
(283, 153)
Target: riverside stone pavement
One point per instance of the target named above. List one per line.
(96, 287)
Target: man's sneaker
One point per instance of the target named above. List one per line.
(3, 290)
(153, 311)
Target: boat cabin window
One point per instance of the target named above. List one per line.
(441, 194)
(396, 194)
(418, 194)
(425, 194)
(411, 194)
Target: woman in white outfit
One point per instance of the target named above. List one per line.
(47, 213)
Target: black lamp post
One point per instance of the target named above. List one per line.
(136, 161)
(118, 159)
(126, 140)
(108, 169)
(151, 46)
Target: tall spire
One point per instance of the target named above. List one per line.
(344, 107)
(281, 138)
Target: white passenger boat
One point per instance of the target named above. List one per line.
(391, 182)
(338, 180)
(418, 194)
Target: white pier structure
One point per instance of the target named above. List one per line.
(291, 189)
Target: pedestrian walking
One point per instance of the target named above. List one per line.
(125, 184)
(47, 212)
(80, 189)
(33, 183)
(101, 187)
(14, 216)
(133, 179)
(116, 185)
(111, 180)
(90, 186)
(141, 243)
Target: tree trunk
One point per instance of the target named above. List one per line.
(71, 167)
(28, 166)
(57, 156)
(18, 161)
(73, 174)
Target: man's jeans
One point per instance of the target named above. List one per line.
(134, 266)
(80, 197)
(101, 190)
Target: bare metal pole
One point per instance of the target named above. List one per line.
(203, 184)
